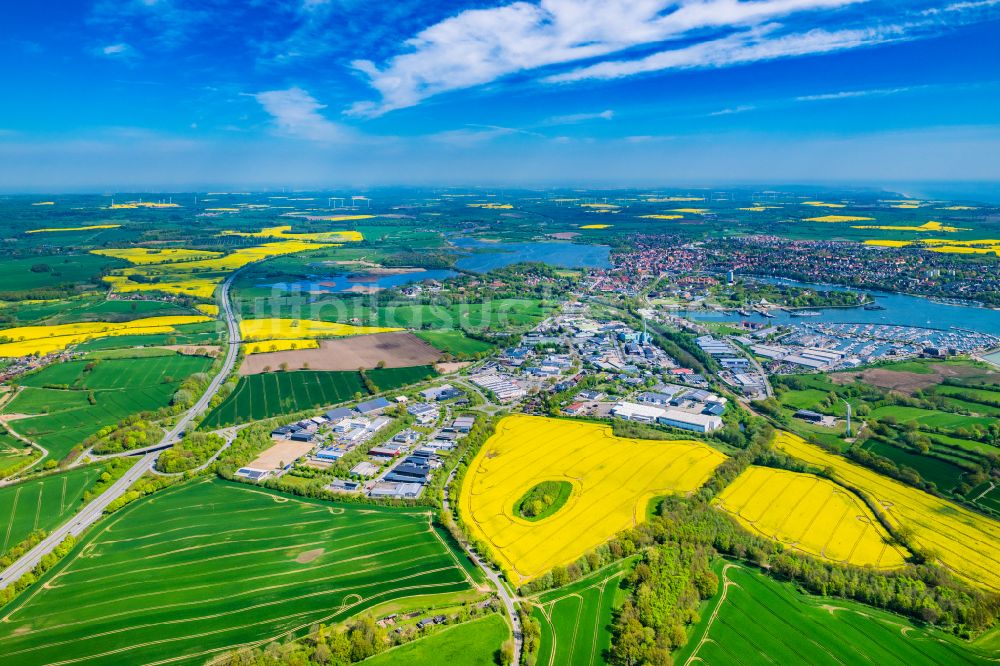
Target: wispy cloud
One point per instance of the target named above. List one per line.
(759, 44)
(577, 118)
(296, 114)
(120, 51)
(482, 45)
(167, 23)
(743, 108)
(849, 94)
(972, 5)
(474, 135)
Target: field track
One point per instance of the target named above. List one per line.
(576, 619)
(208, 566)
(41, 504)
(965, 542)
(812, 515)
(758, 620)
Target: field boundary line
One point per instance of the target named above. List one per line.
(430, 527)
(13, 512)
(726, 582)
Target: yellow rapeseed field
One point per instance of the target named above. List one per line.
(301, 329)
(284, 233)
(143, 204)
(927, 226)
(596, 226)
(986, 246)
(963, 541)
(178, 277)
(888, 243)
(966, 249)
(613, 480)
(89, 227)
(691, 211)
(823, 204)
(196, 287)
(343, 218)
(44, 203)
(209, 309)
(958, 208)
(144, 255)
(812, 515)
(839, 218)
(662, 217)
(905, 206)
(280, 345)
(28, 340)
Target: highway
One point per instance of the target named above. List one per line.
(92, 512)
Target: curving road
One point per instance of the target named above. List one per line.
(508, 601)
(92, 512)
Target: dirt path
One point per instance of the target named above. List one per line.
(715, 612)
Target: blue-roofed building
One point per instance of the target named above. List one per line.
(338, 414)
(714, 409)
(373, 406)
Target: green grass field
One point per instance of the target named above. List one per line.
(13, 453)
(118, 387)
(273, 393)
(756, 620)
(469, 644)
(130, 341)
(942, 473)
(41, 504)
(63, 269)
(387, 379)
(209, 565)
(576, 619)
(927, 417)
(117, 373)
(500, 314)
(454, 342)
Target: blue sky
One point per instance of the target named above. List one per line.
(177, 94)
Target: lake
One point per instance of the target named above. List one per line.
(900, 309)
(563, 255)
(339, 284)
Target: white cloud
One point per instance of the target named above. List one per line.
(849, 94)
(482, 45)
(297, 114)
(739, 48)
(475, 135)
(973, 5)
(743, 108)
(120, 50)
(576, 118)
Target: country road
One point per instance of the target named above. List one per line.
(508, 601)
(92, 512)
